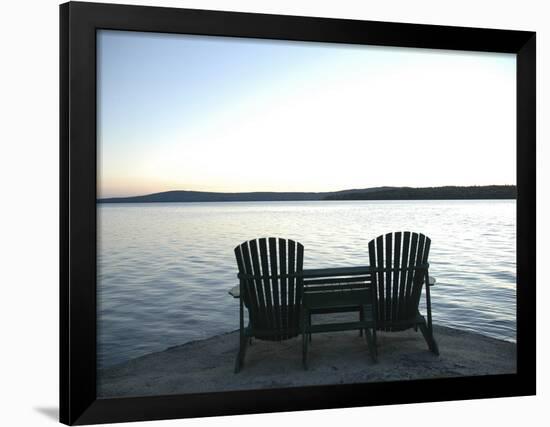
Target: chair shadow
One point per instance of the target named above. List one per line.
(51, 412)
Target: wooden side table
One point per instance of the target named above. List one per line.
(336, 290)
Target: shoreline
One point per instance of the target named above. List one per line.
(334, 358)
(103, 202)
(446, 192)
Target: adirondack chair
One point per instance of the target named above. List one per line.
(399, 263)
(270, 287)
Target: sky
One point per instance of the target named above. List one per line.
(184, 112)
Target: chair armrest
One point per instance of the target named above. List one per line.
(431, 280)
(235, 291)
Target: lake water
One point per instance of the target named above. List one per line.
(164, 269)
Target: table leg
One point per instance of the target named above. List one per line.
(361, 318)
(305, 331)
(370, 334)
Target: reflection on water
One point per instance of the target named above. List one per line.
(164, 269)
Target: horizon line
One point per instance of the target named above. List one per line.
(297, 192)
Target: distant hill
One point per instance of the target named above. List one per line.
(375, 193)
(431, 193)
(205, 196)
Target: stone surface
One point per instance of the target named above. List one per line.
(334, 358)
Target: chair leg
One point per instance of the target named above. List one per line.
(243, 342)
(372, 344)
(309, 335)
(374, 340)
(304, 350)
(305, 338)
(370, 335)
(429, 337)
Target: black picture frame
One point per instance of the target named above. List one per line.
(78, 25)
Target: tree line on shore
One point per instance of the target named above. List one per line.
(430, 193)
(375, 193)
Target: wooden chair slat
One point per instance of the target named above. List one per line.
(257, 283)
(403, 277)
(396, 273)
(381, 289)
(410, 274)
(420, 275)
(284, 285)
(264, 261)
(388, 278)
(374, 277)
(299, 277)
(250, 289)
(417, 276)
(293, 314)
(275, 282)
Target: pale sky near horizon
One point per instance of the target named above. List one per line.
(181, 112)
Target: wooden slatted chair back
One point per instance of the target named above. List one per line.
(400, 268)
(270, 277)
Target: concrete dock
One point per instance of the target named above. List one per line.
(334, 358)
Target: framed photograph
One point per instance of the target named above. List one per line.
(266, 213)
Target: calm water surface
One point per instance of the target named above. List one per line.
(164, 269)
